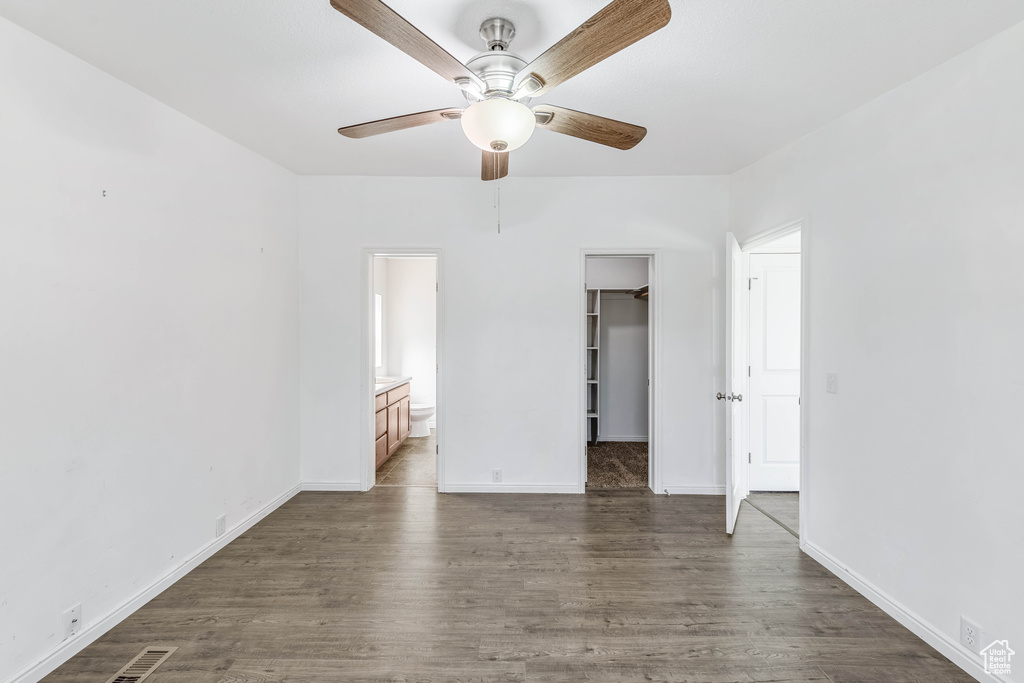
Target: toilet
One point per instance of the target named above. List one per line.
(419, 413)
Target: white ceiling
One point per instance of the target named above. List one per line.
(726, 82)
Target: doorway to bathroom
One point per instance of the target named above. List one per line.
(617, 346)
(403, 355)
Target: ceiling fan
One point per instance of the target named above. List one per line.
(499, 84)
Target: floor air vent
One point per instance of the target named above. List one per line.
(143, 665)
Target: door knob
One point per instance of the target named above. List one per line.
(736, 397)
(721, 396)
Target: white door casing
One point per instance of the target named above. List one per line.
(735, 380)
(774, 370)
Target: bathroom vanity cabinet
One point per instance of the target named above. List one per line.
(393, 425)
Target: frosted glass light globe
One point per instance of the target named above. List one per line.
(498, 125)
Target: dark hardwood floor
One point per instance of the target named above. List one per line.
(404, 584)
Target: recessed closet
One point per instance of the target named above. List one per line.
(617, 370)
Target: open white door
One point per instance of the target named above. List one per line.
(735, 374)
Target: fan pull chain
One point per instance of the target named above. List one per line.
(497, 202)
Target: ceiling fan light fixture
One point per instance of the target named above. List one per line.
(498, 124)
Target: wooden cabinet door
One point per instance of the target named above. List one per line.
(404, 425)
(382, 423)
(394, 428)
(382, 450)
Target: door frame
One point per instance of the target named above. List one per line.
(654, 473)
(367, 459)
(802, 226)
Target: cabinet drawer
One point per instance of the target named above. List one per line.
(381, 401)
(398, 394)
(382, 423)
(382, 450)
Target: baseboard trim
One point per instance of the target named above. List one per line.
(949, 648)
(72, 646)
(512, 488)
(694, 490)
(331, 486)
(637, 439)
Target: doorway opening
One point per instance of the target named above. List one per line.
(773, 378)
(765, 343)
(617, 339)
(404, 358)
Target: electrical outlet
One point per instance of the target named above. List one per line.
(496, 476)
(72, 620)
(970, 635)
(222, 525)
(832, 383)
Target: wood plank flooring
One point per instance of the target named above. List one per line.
(404, 584)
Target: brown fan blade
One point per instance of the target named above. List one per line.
(392, 27)
(494, 166)
(365, 130)
(620, 24)
(589, 127)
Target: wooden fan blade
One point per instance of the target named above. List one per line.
(620, 24)
(494, 165)
(589, 127)
(365, 130)
(392, 27)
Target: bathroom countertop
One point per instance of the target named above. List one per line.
(381, 388)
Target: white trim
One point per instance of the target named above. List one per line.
(331, 486)
(72, 646)
(653, 360)
(772, 234)
(367, 471)
(636, 439)
(949, 648)
(695, 490)
(512, 488)
(805, 376)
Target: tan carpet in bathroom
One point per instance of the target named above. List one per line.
(617, 464)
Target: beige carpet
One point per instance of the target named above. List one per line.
(617, 464)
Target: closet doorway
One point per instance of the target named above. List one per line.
(618, 324)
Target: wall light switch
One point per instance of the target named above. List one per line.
(832, 383)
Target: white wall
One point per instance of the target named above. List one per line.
(914, 206)
(149, 351)
(512, 309)
(412, 324)
(623, 365)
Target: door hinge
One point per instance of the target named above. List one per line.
(748, 371)
(437, 287)
(750, 282)
(437, 450)
(749, 461)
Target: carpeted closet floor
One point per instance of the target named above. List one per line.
(617, 464)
